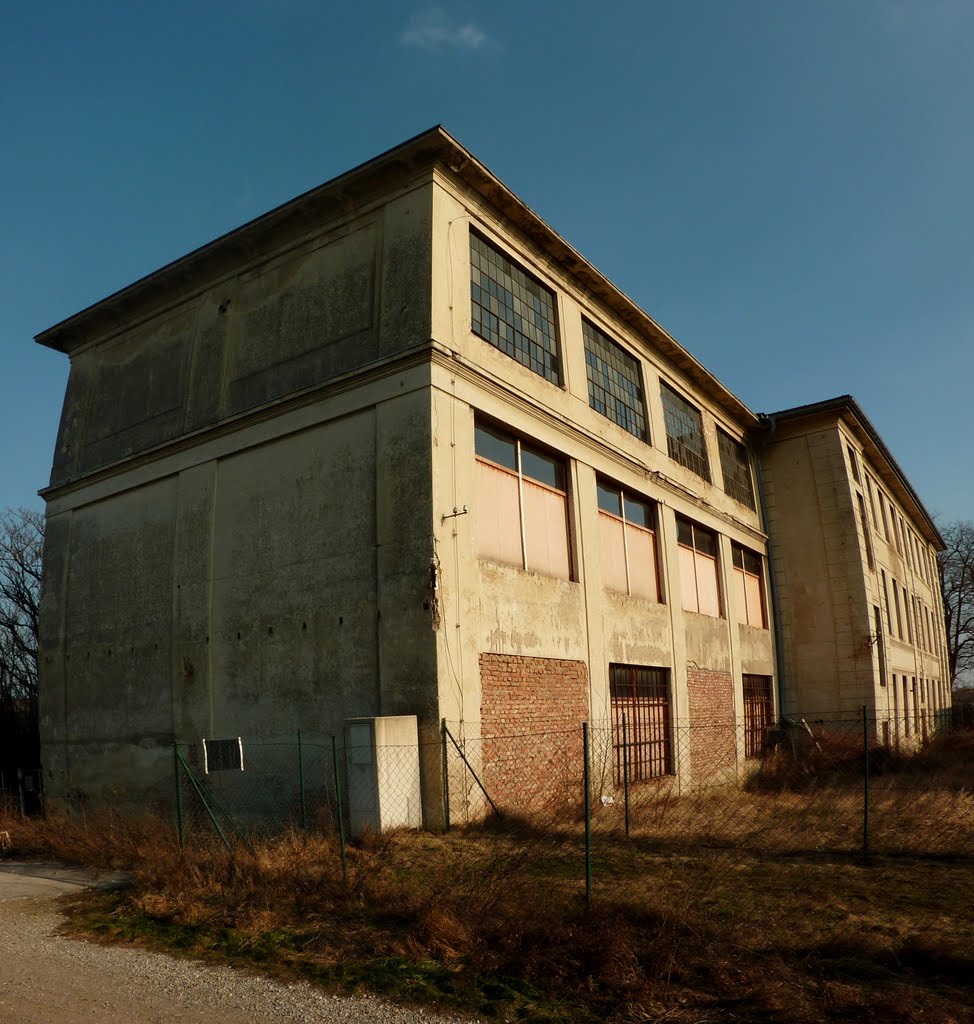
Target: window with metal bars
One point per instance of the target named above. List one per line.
(684, 432)
(614, 381)
(735, 467)
(641, 727)
(758, 713)
(512, 310)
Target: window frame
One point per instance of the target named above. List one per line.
(515, 303)
(700, 552)
(648, 732)
(759, 576)
(758, 712)
(652, 509)
(733, 484)
(521, 476)
(675, 405)
(637, 416)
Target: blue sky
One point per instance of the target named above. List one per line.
(784, 186)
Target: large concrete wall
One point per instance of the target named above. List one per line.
(240, 513)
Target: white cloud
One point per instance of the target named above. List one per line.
(431, 30)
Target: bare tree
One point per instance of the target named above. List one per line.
(21, 550)
(956, 566)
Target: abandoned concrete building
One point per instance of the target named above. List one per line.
(396, 449)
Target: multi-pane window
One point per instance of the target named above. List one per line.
(749, 587)
(614, 381)
(698, 568)
(641, 739)
(512, 310)
(629, 552)
(522, 504)
(758, 713)
(736, 469)
(684, 432)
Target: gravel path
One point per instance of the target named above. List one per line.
(47, 979)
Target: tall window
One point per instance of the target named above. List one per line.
(614, 381)
(698, 568)
(512, 310)
(629, 553)
(642, 695)
(865, 531)
(735, 467)
(522, 504)
(758, 713)
(853, 463)
(749, 587)
(684, 432)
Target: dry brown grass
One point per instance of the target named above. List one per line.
(716, 908)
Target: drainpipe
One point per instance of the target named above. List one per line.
(769, 421)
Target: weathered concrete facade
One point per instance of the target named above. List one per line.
(854, 556)
(281, 496)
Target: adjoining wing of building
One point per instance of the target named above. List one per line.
(396, 449)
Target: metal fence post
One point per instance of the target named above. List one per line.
(338, 805)
(304, 802)
(588, 817)
(179, 795)
(446, 779)
(865, 780)
(625, 765)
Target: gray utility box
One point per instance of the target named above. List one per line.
(382, 762)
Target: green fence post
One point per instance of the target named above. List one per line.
(625, 766)
(338, 805)
(446, 779)
(304, 802)
(588, 818)
(865, 781)
(179, 796)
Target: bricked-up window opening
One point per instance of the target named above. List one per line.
(643, 696)
(684, 432)
(522, 504)
(614, 381)
(698, 568)
(758, 713)
(629, 552)
(749, 587)
(512, 310)
(736, 469)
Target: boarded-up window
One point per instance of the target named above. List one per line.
(748, 587)
(629, 554)
(698, 568)
(640, 722)
(758, 713)
(522, 505)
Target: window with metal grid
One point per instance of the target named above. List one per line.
(614, 381)
(758, 713)
(735, 467)
(641, 738)
(684, 432)
(512, 310)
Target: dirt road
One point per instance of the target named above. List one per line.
(47, 979)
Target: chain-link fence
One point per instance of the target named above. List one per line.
(810, 785)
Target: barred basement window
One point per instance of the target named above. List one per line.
(512, 310)
(735, 467)
(758, 713)
(684, 432)
(522, 504)
(614, 381)
(642, 695)
(629, 552)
